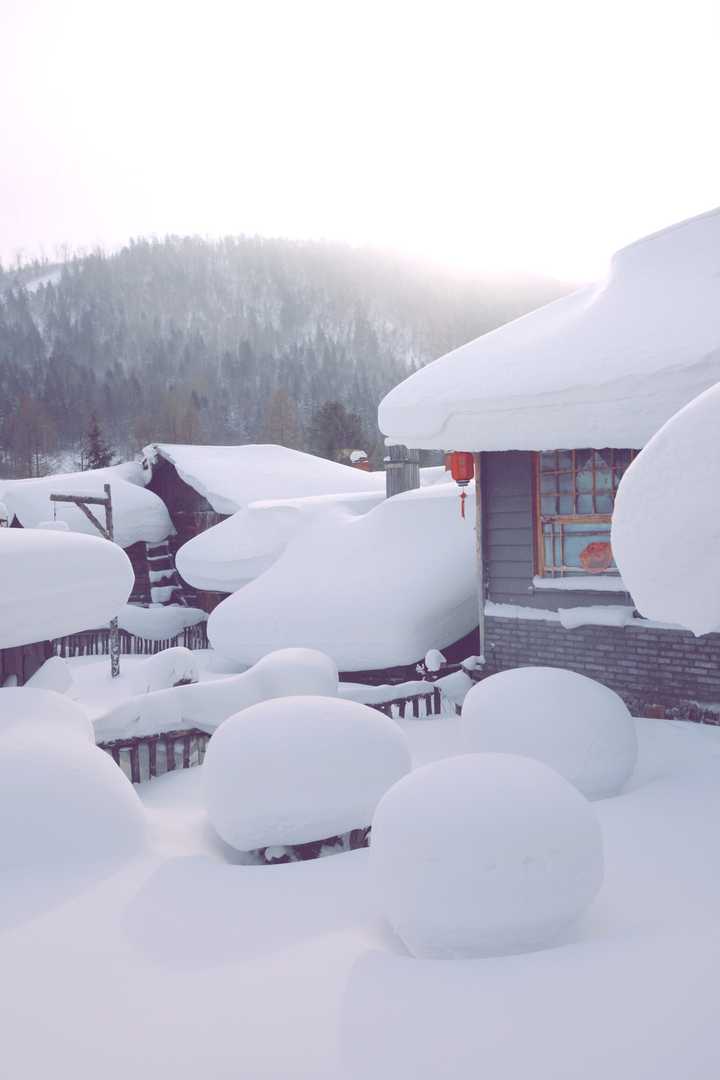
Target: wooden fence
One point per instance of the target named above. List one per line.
(97, 642)
(145, 756)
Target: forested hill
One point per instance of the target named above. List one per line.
(239, 340)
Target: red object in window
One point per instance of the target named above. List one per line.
(596, 557)
(461, 466)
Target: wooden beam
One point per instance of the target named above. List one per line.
(93, 499)
(479, 553)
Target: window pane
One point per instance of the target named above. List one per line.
(566, 504)
(604, 504)
(548, 504)
(548, 483)
(565, 482)
(564, 459)
(603, 480)
(585, 504)
(547, 460)
(587, 547)
(584, 480)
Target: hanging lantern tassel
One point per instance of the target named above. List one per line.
(462, 469)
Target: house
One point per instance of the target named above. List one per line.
(554, 406)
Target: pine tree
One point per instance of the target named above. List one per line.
(333, 429)
(96, 452)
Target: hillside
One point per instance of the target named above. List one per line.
(231, 341)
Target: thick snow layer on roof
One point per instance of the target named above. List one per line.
(239, 549)
(666, 524)
(606, 366)
(371, 591)
(158, 621)
(230, 477)
(138, 514)
(55, 583)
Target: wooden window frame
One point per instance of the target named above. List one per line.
(563, 572)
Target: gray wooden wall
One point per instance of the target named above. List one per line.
(508, 506)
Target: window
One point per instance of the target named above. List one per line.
(575, 493)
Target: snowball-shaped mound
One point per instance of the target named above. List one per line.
(299, 769)
(575, 725)
(25, 709)
(666, 548)
(170, 667)
(63, 802)
(484, 854)
(54, 674)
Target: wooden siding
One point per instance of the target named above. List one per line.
(509, 539)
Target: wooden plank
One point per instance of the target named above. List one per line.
(152, 756)
(135, 764)
(170, 753)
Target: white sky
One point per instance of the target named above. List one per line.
(514, 135)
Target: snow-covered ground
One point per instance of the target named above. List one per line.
(183, 964)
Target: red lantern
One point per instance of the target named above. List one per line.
(462, 469)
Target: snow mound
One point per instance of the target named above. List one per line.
(26, 708)
(666, 523)
(605, 366)
(138, 514)
(63, 803)
(158, 621)
(575, 725)
(57, 583)
(205, 705)
(299, 769)
(55, 675)
(165, 669)
(371, 591)
(484, 854)
(231, 477)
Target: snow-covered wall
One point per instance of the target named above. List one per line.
(605, 366)
(57, 583)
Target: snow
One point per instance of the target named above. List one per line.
(484, 854)
(582, 583)
(56, 583)
(54, 674)
(596, 615)
(64, 803)
(138, 514)
(666, 524)
(165, 669)
(299, 769)
(605, 366)
(370, 591)
(157, 622)
(237, 550)
(231, 477)
(434, 660)
(30, 709)
(206, 704)
(571, 723)
(287, 972)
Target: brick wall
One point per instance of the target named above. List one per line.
(657, 672)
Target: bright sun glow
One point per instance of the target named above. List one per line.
(500, 136)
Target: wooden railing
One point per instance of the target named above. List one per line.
(97, 642)
(145, 756)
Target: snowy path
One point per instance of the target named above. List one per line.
(184, 965)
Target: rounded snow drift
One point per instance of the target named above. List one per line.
(27, 709)
(64, 802)
(484, 854)
(300, 769)
(575, 725)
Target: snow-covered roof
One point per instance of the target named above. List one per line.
(230, 477)
(605, 366)
(57, 583)
(235, 551)
(138, 514)
(370, 590)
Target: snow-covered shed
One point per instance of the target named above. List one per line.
(203, 485)
(554, 406)
(141, 522)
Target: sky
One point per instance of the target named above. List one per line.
(509, 136)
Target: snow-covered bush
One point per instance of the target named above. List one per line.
(54, 675)
(484, 854)
(171, 667)
(27, 708)
(300, 769)
(63, 802)
(667, 547)
(575, 725)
